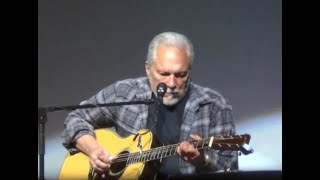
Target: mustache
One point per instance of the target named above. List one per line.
(172, 91)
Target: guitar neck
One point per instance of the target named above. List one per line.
(232, 143)
(164, 151)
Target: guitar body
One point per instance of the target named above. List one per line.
(77, 166)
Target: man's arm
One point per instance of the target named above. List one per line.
(222, 124)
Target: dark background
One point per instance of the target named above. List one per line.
(84, 46)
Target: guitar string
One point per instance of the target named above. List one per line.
(157, 152)
(152, 152)
(162, 147)
(168, 147)
(194, 142)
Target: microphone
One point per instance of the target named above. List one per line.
(161, 90)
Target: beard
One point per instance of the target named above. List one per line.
(172, 96)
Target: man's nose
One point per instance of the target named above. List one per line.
(171, 82)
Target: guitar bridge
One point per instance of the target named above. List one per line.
(139, 145)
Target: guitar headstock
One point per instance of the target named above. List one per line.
(233, 143)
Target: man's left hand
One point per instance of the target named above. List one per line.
(189, 153)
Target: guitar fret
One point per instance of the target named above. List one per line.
(163, 153)
(135, 158)
(174, 149)
(153, 154)
(148, 156)
(168, 153)
(161, 150)
(171, 148)
(203, 143)
(139, 157)
(143, 156)
(132, 158)
(129, 160)
(158, 153)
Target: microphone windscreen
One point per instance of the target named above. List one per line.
(161, 90)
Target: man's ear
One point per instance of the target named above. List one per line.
(147, 66)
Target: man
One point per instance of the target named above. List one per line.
(189, 112)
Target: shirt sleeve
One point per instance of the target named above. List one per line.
(83, 121)
(221, 125)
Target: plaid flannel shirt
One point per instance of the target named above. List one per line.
(206, 113)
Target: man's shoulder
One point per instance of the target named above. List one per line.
(132, 82)
(207, 94)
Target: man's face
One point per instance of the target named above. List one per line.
(172, 68)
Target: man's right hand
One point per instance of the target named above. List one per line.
(99, 158)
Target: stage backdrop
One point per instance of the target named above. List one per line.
(84, 46)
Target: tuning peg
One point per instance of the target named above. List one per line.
(248, 149)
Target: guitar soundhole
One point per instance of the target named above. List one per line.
(119, 166)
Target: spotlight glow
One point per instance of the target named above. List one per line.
(266, 140)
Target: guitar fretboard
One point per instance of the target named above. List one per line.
(233, 143)
(161, 152)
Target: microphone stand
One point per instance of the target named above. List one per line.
(42, 119)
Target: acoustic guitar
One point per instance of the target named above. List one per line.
(135, 155)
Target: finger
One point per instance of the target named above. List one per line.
(178, 151)
(191, 151)
(100, 164)
(184, 146)
(185, 158)
(106, 158)
(96, 167)
(195, 137)
(102, 161)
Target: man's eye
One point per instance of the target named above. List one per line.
(181, 75)
(165, 74)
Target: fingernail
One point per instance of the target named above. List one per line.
(110, 158)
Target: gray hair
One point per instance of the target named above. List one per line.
(172, 39)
